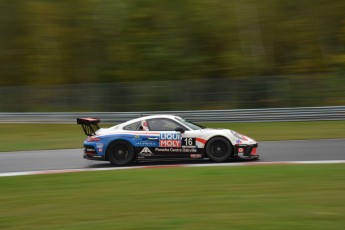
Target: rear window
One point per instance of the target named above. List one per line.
(133, 127)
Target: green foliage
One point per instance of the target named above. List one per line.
(63, 41)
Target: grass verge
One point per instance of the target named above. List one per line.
(15, 137)
(252, 197)
(299, 130)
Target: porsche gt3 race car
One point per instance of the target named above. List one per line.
(163, 137)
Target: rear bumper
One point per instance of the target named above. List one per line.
(90, 153)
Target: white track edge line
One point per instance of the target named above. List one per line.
(60, 171)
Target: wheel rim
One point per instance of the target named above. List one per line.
(120, 153)
(219, 149)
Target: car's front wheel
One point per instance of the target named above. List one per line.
(120, 153)
(219, 149)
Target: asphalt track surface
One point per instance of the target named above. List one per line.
(270, 151)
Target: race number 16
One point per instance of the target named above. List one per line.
(188, 141)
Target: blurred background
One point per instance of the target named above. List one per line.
(135, 55)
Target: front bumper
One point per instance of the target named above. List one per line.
(246, 152)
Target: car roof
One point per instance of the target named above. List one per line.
(169, 116)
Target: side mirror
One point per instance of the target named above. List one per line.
(179, 129)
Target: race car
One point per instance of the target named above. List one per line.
(163, 137)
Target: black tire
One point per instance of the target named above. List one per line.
(120, 153)
(219, 149)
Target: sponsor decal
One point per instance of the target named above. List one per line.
(170, 143)
(238, 141)
(99, 147)
(136, 136)
(170, 136)
(176, 150)
(146, 144)
(240, 150)
(195, 156)
(145, 152)
(89, 150)
(170, 140)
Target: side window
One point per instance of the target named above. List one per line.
(163, 124)
(133, 126)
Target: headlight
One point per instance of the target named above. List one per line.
(239, 136)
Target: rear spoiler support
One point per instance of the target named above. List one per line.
(89, 125)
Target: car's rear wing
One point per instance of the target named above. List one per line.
(90, 125)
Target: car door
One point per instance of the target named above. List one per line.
(170, 142)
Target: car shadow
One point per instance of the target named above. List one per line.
(158, 163)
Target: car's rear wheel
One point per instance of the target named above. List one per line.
(120, 153)
(219, 149)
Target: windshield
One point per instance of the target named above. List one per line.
(190, 124)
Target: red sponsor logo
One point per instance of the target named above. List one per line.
(169, 143)
(240, 150)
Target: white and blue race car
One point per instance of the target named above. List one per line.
(163, 137)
